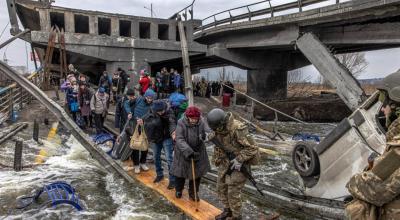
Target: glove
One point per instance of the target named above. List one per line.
(235, 165)
(195, 156)
(209, 136)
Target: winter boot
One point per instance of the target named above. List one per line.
(158, 179)
(193, 198)
(225, 214)
(171, 185)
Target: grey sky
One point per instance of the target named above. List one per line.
(381, 62)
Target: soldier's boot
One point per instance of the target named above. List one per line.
(225, 214)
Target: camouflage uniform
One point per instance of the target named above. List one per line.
(375, 198)
(236, 139)
(393, 130)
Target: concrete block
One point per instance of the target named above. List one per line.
(347, 87)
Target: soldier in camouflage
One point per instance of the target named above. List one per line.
(239, 149)
(376, 192)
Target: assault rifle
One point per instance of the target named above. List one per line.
(243, 169)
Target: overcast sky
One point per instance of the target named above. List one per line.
(381, 62)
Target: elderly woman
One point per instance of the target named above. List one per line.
(190, 135)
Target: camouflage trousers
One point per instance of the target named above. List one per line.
(229, 189)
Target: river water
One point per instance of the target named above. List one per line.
(102, 195)
(105, 196)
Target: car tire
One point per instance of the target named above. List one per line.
(305, 159)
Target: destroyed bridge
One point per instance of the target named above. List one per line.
(267, 41)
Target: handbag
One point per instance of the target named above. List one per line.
(139, 141)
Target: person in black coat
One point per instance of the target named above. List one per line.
(160, 125)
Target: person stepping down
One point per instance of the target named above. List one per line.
(160, 125)
(191, 132)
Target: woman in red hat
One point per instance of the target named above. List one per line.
(191, 133)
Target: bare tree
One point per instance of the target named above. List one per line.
(355, 62)
(298, 84)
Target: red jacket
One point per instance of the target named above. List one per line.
(144, 83)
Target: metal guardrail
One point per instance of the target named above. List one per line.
(14, 96)
(184, 12)
(266, 8)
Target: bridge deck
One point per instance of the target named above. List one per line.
(196, 210)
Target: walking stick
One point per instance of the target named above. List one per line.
(194, 184)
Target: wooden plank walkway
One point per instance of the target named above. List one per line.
(196, 210)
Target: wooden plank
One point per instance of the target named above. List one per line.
(204, 209)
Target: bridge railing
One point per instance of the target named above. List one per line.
(14, 97)
(184, 13)
(262, 8)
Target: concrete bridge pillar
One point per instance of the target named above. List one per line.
(267, 83)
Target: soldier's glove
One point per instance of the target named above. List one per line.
(195, 156)
(235, 165)
(209, 136)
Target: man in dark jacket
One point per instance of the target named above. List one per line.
(124, 107)
(190, 135)
(160, 125)
(105, 82)
(123, 80)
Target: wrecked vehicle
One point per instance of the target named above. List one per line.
(325, 168)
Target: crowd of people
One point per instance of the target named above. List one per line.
(204, 88)
(180, 132)
(171, 126)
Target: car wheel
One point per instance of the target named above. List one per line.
(305, 159)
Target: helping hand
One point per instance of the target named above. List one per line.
(235, 165)
(209, 136)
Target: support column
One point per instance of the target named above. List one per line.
(267, 83)
(44, 20)
(13, 15)
(69, 22)
(153, 31)
(135, 29)
(172, 31)
(93, 25)
(114, 26)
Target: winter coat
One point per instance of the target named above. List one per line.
(122, 82)
(189, 139)
(99, 104)
(141, 108)
(84, 98)
(177, 80)
(144, 83)
(71, 96)
(105, 82)
(158, 128)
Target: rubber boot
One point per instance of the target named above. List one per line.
(225, 214)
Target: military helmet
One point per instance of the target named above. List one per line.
(391, 84)
(216, 117)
